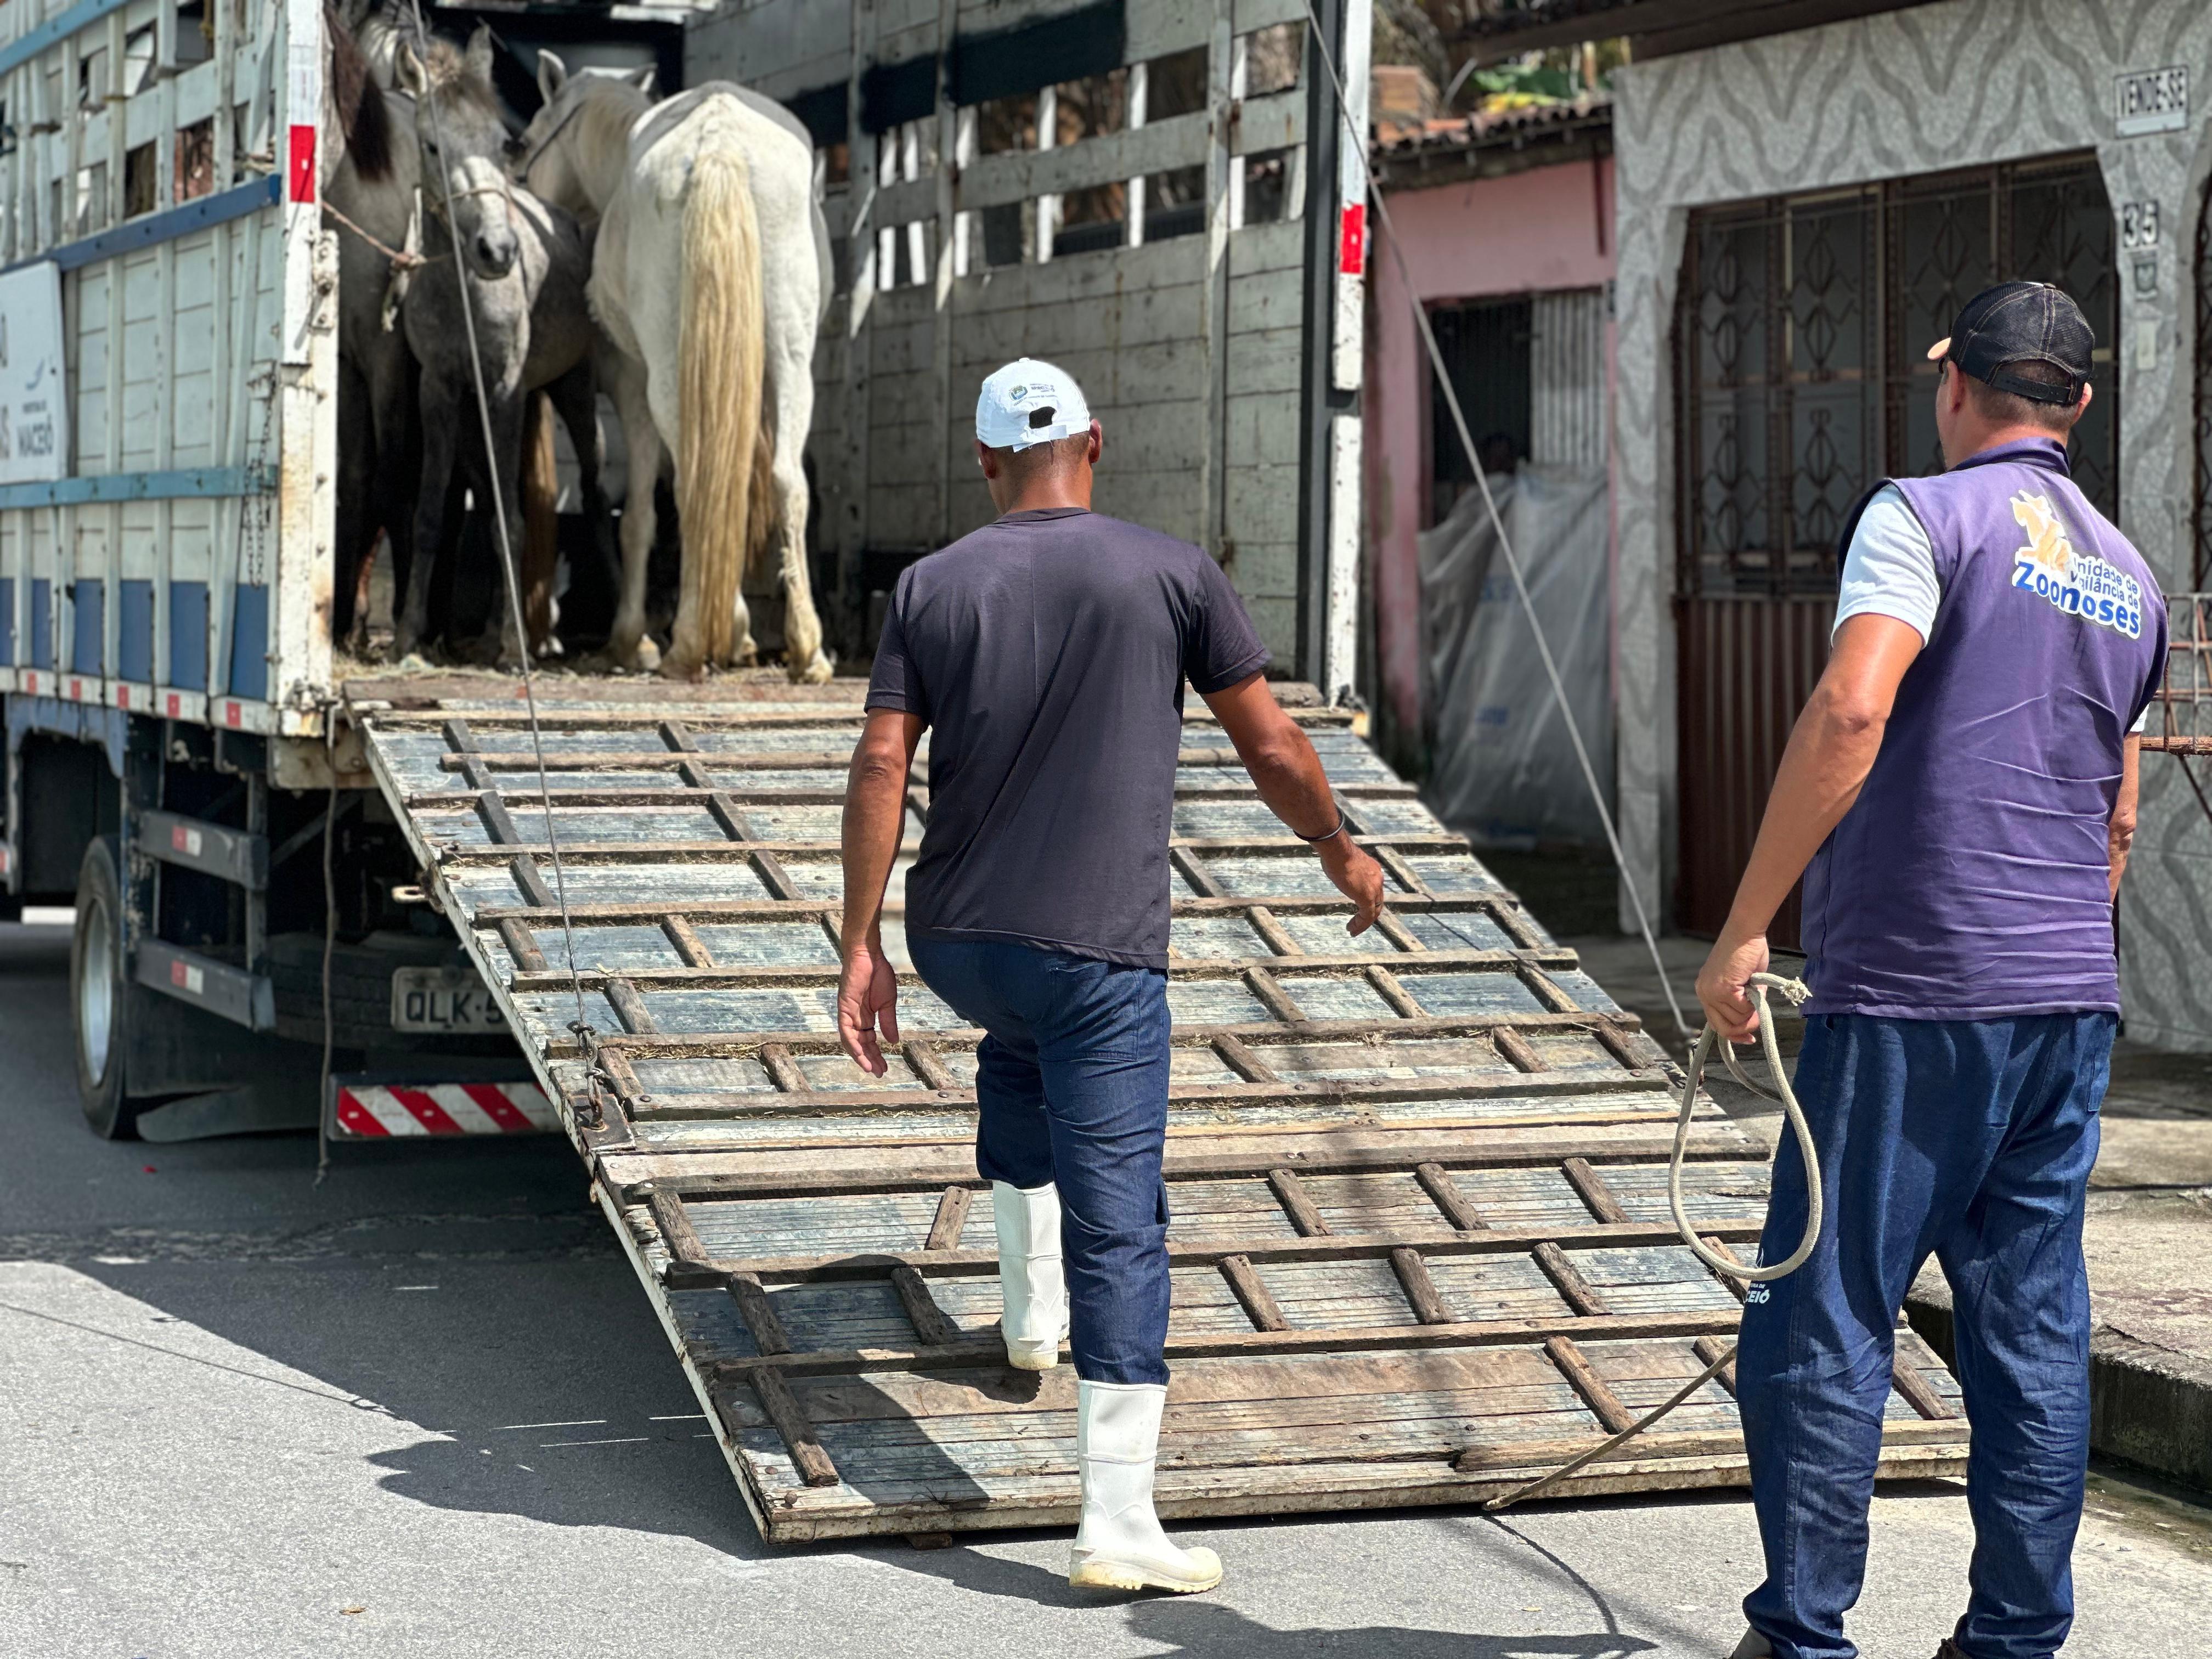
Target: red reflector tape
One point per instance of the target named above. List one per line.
(378, 1110)
(301, 173)
(1352, 242)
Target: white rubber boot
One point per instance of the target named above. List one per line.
(1032, 1290)
(1120, 1544)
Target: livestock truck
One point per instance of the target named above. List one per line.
(1419, 1250)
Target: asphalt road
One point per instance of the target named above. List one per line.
(423, 1409)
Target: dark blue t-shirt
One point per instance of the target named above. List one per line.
(1047, 653)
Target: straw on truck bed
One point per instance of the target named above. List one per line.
(1420, 1245)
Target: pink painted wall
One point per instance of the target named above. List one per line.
(1549, 227)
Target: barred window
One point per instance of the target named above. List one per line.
(1801, 339)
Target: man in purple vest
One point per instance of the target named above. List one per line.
(1958, 795)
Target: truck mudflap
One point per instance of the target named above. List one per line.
(1420, 1245)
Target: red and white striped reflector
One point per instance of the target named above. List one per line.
(378, 1111)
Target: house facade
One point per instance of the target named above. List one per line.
(1501, 228)
(1798, 217)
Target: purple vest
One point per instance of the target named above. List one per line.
(1969, 879)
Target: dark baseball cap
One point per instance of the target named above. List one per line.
(2021, 323)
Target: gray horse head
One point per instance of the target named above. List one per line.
(462, 137)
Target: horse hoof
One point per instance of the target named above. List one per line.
(645, 660)
(816, 672)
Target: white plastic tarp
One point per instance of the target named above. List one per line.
(1502, 770)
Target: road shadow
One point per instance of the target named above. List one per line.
(1203, 1625)
(1186, 1626)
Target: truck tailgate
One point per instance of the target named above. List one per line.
(1420, 1244)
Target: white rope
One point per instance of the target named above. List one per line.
(514, 585)
(1442, 377)
(1760, 984)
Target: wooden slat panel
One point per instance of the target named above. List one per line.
(1437, 1182)
(1574, 1364)
(1574, 1289)
(945, 1228)
(1420, 1290)
(1331, 1260)
(813, 1463)
(1594, 1193)
(930, 1323)
(1295, 1203)
(1244, 1279)
(1209, 1252)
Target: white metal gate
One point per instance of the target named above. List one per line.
(166, 170)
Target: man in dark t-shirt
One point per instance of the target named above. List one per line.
(1047, 655)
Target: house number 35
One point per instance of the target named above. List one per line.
(2139, 224)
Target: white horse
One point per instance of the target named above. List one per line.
(710, 275)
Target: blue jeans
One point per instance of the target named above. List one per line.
(1971, 1141)
(1072, 1088)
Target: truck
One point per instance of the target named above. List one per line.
(1421, 1248)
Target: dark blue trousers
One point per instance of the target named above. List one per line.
(1072, 1088)
(1971, 1141)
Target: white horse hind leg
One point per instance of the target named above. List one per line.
(744, 652)
(792, 309)
(803, 658)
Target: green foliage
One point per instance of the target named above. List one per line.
(1524, 83)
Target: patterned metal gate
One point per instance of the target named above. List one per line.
(1801, 378)
(2202, 517)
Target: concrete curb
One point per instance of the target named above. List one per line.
(2149, 1405)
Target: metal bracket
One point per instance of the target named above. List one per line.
(243, 999)
(231, 855)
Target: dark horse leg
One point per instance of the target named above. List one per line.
(575, 398)
(540, 484)
(443, 409)
(356, 530)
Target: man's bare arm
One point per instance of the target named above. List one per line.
(2122, 835)
(875, 814)
(1291, 780)
(1831, 749)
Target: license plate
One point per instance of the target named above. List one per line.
(448, 999)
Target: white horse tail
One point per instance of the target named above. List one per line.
(719, 388)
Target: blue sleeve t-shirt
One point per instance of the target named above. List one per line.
(1046, 651)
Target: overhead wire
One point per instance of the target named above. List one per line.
(1444, 383)
(582, 1026)
(1759, 985)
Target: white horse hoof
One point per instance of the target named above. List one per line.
(816, 672)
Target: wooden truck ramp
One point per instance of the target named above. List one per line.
(1420, 1244)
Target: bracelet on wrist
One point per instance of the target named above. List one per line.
(1315, 841)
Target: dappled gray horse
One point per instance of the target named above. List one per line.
(520, 267)
(368, 195)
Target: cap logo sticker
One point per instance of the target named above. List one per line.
(1018, 393)
(2050, 566)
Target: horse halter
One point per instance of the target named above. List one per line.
(436, 200)
(522, 172)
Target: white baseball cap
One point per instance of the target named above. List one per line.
(1028, 402)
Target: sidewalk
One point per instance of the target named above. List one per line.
(2149, 1237)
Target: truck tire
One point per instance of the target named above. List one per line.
(101, 993)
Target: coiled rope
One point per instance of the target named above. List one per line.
(1794, 992)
